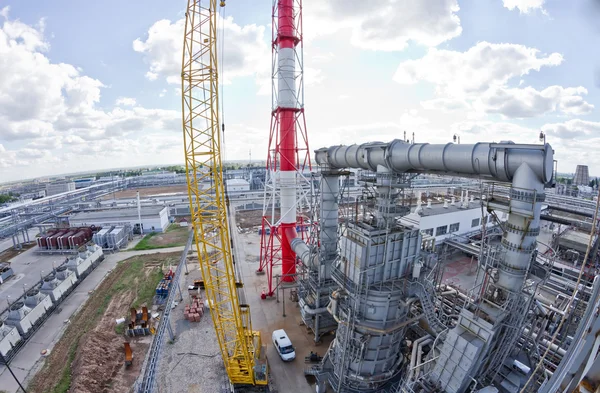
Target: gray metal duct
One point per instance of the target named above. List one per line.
(528, 167)
(498, 161)
(316, 295)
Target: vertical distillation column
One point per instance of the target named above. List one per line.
(287, 139)
(519, 239)
(318, 284)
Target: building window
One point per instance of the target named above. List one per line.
(441, 230)
(475, 223)
(454, 227)
(429, 231)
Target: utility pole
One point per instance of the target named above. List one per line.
(139, 209)
(11, 372)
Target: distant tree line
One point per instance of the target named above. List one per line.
(569, 180)
(10, 197)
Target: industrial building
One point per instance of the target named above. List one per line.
(454, 218)
(85, 182)
(154, 218)
(237, 185)
(59, 188)
(32, 195)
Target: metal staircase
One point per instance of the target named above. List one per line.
(425, 294)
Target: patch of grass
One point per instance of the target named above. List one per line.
(147, 244)
(143, 244)
(120, 329)
(65, 380)
(147, 288)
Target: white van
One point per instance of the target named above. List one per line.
(283, 345)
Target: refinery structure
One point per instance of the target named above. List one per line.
(410, 267)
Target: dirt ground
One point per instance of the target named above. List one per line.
(174, 235)
(89, 358)
(148, 191)
(7, 255)
(249, 219)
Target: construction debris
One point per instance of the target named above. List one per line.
(194, 311)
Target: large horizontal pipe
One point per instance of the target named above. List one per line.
(564, 221)
(571, 211)
(497, 161)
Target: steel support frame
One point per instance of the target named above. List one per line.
(206, 191)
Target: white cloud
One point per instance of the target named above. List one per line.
(446, 105)
(476, 70)
(246, 51)
(479, 79)
(529, 102)
(386, 25)
(575, 129)
(4, 12)
(162, 93)
(407, 121)
(46, 106)
(524, 6)
(571, 139)
(484, 130)
(125, 101)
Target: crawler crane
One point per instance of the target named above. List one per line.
(241, 348)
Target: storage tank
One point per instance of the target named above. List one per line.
(9, 338)
(42, 242)
(63, 240)
(58, 284)
(79, 238)
(53, 240)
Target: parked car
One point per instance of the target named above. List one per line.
(283, 345)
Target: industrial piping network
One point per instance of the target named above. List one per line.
(528, 167)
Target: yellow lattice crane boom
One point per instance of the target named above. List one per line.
(240, 346)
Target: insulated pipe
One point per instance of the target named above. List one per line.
(328, 217)
(286, 41)
(547, 343)
(520, 238)
(420, 354)
(495, 161)
(328, 220)
(413, 356)
(314, 311)
(529, 167)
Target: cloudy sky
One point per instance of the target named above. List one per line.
(91, 85)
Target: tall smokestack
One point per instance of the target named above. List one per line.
(288, 144)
